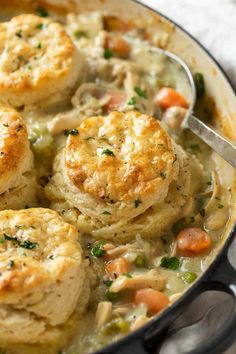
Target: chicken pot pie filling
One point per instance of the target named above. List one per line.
(129, 208)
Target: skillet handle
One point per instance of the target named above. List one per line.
(222, 279)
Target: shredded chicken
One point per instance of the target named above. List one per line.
(150, 279)
(103, 314)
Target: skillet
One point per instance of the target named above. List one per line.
(220, 275)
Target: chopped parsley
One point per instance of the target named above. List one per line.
(188, 277)
(79, 34)
(172, 263)
(68, 132)
(163, 175)
(112, 296)
(28, 244)
(10, 264)
(107, 54)
(108, 152)
(132, 101)
(25, 244)
(200, 84)
(140, 261)
(39, 46)
(97, 250)
(107, 282)
(202, 212)
(39, 26)
(5, 125)
(19, 34)
(22, 59)
(140, 92)
(137, 202)
(195, 147)
(128, 275)
(220, 206)
(42, 12)
(106, 213)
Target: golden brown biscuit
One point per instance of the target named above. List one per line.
(116, 166)
(37, 60)
(41, 274)
(120, 176)
(17, 181)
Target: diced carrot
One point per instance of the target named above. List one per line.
(168, 97)
(113, 23)
(193, 241)
(116, 99)
(119, 46)
(118, 266)
(153, 299)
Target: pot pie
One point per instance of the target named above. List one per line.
(109, 210)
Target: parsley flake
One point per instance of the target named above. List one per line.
(106, 213)
(107, 54)
(108, 152)
(39, 26)
(42, 12)
(28, 244)
(97, 250)
(140, 92)
(220, 206)
(79, 34)
(68, 132)
(10, 264)
(132, 101)
(137, 202)
(172, 263)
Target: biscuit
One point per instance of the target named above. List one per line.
(116, 167)
(17, 179)
(37, 60)
(42, 274)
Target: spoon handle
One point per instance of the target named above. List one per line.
(218, 143)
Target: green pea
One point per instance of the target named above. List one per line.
(188, 277)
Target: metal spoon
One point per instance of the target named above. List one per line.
(216, 141)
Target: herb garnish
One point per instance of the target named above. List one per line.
(200, 84)
(107, 282)
(106, 213)
(128, 275)
(163, 175)
(39, 26)
(97, 250)
(132, 101)
(220, 206)
(79, 34)
(25, 244)
(68, 132)
(112, 296)
(137, 202)
(10, 264)
(28, 244)
(172, 263)
(108, 152)
(42, 12)
(140, 92)
(140, 261)
(19, 34)
(194, 147)
(107, 54)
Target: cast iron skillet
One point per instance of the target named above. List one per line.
(220, 276)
